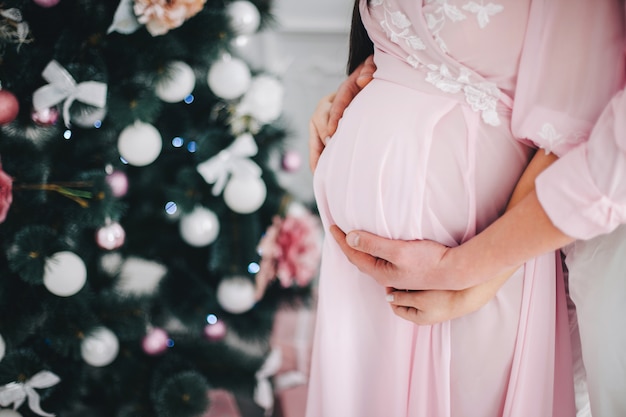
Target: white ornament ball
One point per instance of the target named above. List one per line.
(229, 78)
(200, 227)
(7, 412)
(263, 100)
(244, 17)
(100, 347)
(177, 82)
(236, 294)
(3, 347)
(64, 274)
(245, 194)
(140, 144)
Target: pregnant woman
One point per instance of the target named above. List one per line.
(432, 148)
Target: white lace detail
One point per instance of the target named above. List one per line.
(482, 96)
(397, 27)
(550, 135)
(553, 138)
(483, 11)
(446, 11)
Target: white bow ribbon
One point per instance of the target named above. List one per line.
(21, 27)
(230, 161)
(63, 87)
(17, 392)
(263, 393)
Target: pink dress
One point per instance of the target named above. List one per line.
(432, 149)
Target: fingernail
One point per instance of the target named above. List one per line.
(353, 239)
(389, 298)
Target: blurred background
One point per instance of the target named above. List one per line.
(159, 240)
(309, 46)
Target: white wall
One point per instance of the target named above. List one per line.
(308, 47)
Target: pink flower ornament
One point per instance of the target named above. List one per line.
(160, 16)
(6, 193)
(290, 250)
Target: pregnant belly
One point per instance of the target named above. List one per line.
(410, 165)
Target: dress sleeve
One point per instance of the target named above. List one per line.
(571, 65)
(584, 192)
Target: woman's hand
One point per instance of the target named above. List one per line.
(330, 108)
(436, 306)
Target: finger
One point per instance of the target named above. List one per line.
(409, 313)
(344, 95)
(405, 298)
(316, 146)
(367, 72)
(377, 246)
(366, 263)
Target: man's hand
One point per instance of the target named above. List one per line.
(325, 118)
(410, 265)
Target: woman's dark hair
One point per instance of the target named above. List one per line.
(361, 45)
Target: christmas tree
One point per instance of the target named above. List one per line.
(145, 239)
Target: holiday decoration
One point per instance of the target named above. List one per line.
(137, 179)
(155, 342)
(17, 393)
(87, 116)
(13, 29)
(9, 413)
(45, 117)
(229, 78)
(63, 88)
(100, 347)
(244, 17)
(236, 294)
(291, 161)
(245, 193)
(264, 99)
(216, 330)
(9, 107)
(177, 82)
(161, 16)
(3, 347)
(233, 160)
(6, 193)
(139, 276)
(290, 250)
(46, 3)
(140, 144)
(65, 274)
(111, 236)
(200, 227)
(118, 181)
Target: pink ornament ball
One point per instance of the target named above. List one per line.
(291, 161)
(9, 107)
(46, 3)
(45, 117)
(155, 342)
(118, 182)
(215, 331)
(111, 236)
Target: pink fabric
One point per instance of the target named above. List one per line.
(431, 149)
(584, 192)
